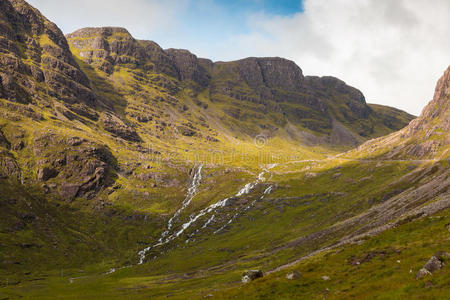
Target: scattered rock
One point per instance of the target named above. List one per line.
(326, 278)
(251, 275)
(3, 141)
(46, 173)
(75, 141)
(69, 190)
(337, 175)
(186, 131)
(116, 126)
(310, 175)
(422, 273)
(435, 263)
(293, 275)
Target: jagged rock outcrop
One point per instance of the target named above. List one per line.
(33, 50)
(116, 126)
(325, 110)
(438, 108)
(106, 47)
(425, 137)
(8, 166)
(189, 67)
(72, 167)
(270, 72)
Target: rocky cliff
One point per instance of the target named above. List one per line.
(319, 110)
(76, 112)
(424, 137)
(35, 58)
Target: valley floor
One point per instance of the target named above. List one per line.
(368, 247)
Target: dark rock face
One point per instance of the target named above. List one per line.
(116, 126)
(188, 66)
(45, 173)
(271, 72)
(3, 141)
(106, 47)
(8, 166)
(33, 50)
(82, 169)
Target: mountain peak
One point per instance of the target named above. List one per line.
(273, 72)
(437, 109)
(34, 50)
(99, 31)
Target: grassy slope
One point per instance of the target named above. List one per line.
(252, 241)
(87, 241)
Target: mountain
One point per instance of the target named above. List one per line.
(127, 170)
(36, 60)
(246, 97)
(396, 248)
(425, 137)
(80, 113)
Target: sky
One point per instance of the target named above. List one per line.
(394, 51)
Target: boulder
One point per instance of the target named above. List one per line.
(46, 173)
(422, 273)
(251, 275)
(435, 263)
(293, 275)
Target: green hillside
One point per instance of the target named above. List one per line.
(132, 172)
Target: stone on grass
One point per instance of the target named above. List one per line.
(251, 275)
(435, 263)
(293, 275)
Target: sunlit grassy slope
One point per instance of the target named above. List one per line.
(309, 198)
(99, 154)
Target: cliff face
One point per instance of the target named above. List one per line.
(35, 58)
(428, 136)
(437, 109)
(107, 47)
(133, 88)
(248, 90)
(270, 72)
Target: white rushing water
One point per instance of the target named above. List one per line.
(192, 191)
(266, 192)
(167, 236)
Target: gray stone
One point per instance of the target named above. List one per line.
(433, 264)
(422, 273)
(293, 275)
(251, 275)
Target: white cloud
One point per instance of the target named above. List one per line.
(394, 51)
(140, 17)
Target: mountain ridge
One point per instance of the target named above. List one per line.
(170, 175)
(267, 82)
